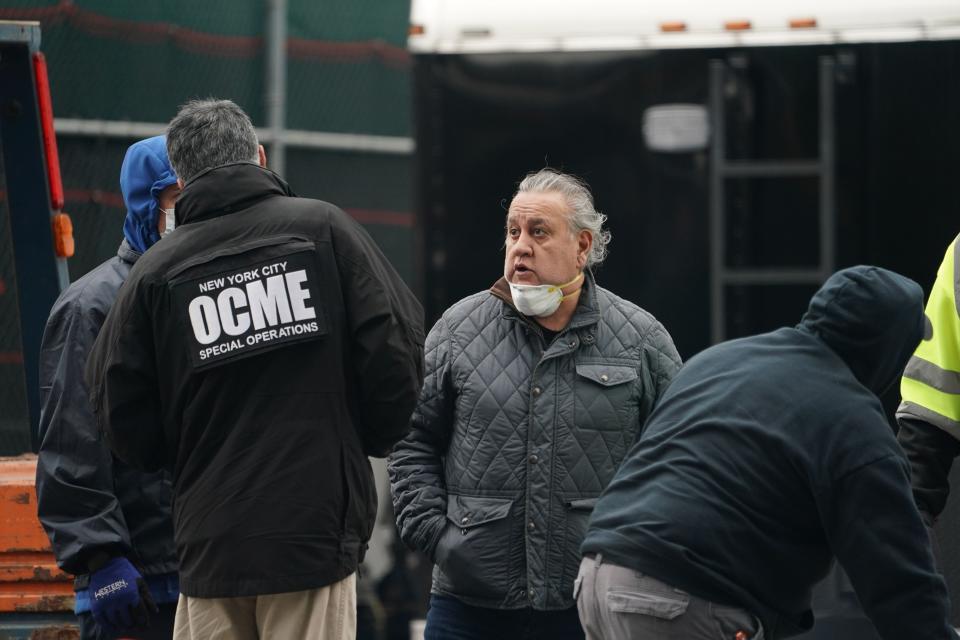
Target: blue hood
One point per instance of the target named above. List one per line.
(146, 171)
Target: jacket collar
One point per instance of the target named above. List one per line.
(127, 253)
(586, 313)
(226, 189)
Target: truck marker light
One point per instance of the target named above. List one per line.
(673, 27)
(62, 235)
(803, 23)
(737, 25)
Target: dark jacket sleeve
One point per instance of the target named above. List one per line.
(386, 324)
(416, 464)
(660, 363)
(931, 451)
(122, 376)
(76, 503)
(877, 535)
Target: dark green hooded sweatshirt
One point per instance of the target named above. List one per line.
(768, 456)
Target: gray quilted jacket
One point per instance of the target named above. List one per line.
(513, 440)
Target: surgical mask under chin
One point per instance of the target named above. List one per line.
(540, 300)
(170, 219)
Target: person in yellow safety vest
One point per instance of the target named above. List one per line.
(929, 415)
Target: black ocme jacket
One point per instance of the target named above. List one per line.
(769, 455)
(261, 351)
(89, 503)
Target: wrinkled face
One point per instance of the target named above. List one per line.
(166, 200)
(540, 248)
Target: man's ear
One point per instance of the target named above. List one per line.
(180, 183)
(584, 244)
(263, 156)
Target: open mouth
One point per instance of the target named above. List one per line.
(524, 274)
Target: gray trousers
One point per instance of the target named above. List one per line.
(616, 603)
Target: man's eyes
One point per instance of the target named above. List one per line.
(514, 232)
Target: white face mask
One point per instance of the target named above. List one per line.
(170, 219)
(540, 300)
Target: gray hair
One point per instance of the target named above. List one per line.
(582, 214)
(209, 133)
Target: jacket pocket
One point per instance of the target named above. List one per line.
(577, 512)
(606, 396)
(473, 549)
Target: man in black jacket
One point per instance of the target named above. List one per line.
(766, 457)
(106, 520)
(262, 351)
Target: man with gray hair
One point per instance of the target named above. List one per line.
(535, 391)
(261, 352)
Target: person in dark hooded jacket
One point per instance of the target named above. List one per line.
(105, 519)
(766, 458)
(261, 352)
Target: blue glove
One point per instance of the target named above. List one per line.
(119, 597)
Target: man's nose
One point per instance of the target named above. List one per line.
(524, 245)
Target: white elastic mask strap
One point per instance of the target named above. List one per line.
(170, 218)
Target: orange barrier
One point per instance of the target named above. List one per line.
(30, 581)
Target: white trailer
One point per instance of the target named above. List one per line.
(742, 149)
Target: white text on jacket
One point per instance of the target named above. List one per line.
(279, 299)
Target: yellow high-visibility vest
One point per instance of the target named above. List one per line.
(931, 382)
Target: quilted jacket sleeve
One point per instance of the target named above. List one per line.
(416, 464)
(75, 494)
(662, 362)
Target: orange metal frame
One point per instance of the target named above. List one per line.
(30, 581)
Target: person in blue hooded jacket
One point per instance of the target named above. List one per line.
(765, 458)
(108, 524)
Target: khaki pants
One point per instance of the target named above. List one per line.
(328, 613)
